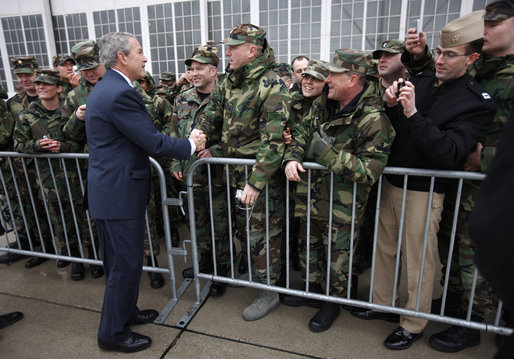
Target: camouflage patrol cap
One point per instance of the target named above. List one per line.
(162, 90)
(316, 69)
(24, 64)
(390, 46)
(463, 30)
(168, 76)
(284, 69)
(205, 54)
(350, 60)
(86, 55)
(246, 33)
(60, 60)
(499, 10)
(48, 76)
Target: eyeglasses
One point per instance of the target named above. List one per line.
(447, 54)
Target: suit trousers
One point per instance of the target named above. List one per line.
(416, 203)
(122, 246)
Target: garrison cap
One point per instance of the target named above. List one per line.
(316, 69)
(246, 33)
(463, 30)
(86, 55)
(24, 64)
(350, 60)
(168, 76)
(48, 76)
(60, 60)
(390, 46)
(499, 10)
(205, 54)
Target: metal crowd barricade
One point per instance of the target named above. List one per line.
(15, 178)
(230, 278)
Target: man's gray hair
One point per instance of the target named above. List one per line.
(112, 43)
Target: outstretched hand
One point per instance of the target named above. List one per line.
(199, 139)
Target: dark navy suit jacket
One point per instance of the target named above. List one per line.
(121, 136)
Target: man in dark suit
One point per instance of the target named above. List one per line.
(121, 136)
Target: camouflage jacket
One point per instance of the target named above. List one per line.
(34, 123)
(74, 129)
(250, 108)
(361, 136)
(6, 127)
(495, 75)
(66, 89)
(186, 110)
(160, 111)
(17, 104)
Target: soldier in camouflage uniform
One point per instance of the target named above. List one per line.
(189, 105)
(38, 130)
(286, 73)
(86, 55)
(353, 141)
(70, 80)
(170, 79)
(494, 70)
(24, 68)
(251, 108)
(9, 190)
(389, 69)
(159, 110)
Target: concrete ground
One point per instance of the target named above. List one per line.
(62, 317)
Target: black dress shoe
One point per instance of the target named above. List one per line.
(175, 237)
(156, 280)
(35, 261)
(9, 258)
(61, 263)
(324, 317)
(369, 314)
(136, 342)
(144, 317)
(10, 318)
(401, 339)
(205, 266)
(77, 271)
(455, 339)
(217, 289)
(96, 270)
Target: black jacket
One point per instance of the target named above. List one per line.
(451, 119)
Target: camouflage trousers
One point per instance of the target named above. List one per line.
(252, 225)
(204, 229)
(318, 253)
(28, 217)
(66, 230)
(463, 259)
(364, 248)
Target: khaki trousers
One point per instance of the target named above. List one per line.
(416, 203)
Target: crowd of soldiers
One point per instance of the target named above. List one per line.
(402, 106)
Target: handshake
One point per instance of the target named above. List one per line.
(198, 138)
